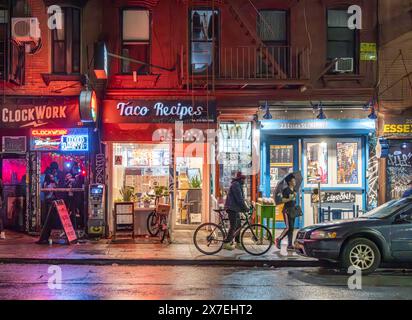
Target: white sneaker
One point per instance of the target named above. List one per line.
(2, 235)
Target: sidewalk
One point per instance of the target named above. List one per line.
(20, 248)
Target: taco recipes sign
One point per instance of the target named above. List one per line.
(159, 111)
(40, 112)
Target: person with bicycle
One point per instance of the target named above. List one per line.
(235, 204)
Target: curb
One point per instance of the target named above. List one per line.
(164, 262)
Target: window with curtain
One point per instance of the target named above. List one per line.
(204, 31)
(272, 26)
(136, 40)
(342, 41)
(66, 43)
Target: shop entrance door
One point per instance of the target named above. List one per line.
(283, 158)
(192, 185)
(64, 176)
(14, 175)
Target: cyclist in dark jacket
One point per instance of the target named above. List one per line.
(235, 203)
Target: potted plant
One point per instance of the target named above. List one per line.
(146, 199)
(195, 183)
(127, 194)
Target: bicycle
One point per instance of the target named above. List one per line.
(157, 221)
(152, 220)
(256, 239)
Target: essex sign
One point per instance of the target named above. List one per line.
(159, 111)
(33, 113)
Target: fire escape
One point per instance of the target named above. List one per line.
(254, 65)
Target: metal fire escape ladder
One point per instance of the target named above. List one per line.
(251, 33)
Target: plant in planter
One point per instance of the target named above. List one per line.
(146, 199)
(195, 183)
(127, 194)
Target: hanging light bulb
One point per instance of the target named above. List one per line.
(267, 115)
(373, 115)
(321, 115)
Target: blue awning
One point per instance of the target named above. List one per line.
(310, 127)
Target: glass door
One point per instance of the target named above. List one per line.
(192, 185)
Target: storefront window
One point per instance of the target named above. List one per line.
(189, 174)
(317, 162)
(347, 162)
(14, 171)
(281, 163)
(141, 167)
(235, 153)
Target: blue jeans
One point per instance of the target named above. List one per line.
(234, 219)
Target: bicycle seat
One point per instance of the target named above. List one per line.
(219, 210)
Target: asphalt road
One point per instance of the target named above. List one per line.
(184, 282)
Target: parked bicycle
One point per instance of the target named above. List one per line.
(256, 239)
(158, 224)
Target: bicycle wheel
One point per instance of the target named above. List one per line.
(256, 239)
(208, 238)
(164, 230)
(152, 224)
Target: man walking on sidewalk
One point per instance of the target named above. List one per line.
(235, 203)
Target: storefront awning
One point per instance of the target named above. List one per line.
(318, 127)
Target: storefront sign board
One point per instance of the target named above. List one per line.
(65, 220)
(338, 197)
(159, 111)
(40, 112)
(398, 125)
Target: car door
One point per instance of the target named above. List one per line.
(401, 235)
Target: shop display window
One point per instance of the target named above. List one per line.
(334, 162)
(139, 169)
(14, 171)
(347, 162)
(317, 162)
(235, 153)
(281, 163)
(189, 174)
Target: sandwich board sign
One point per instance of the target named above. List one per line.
(59, 207)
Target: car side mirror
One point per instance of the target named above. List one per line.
(404, 218)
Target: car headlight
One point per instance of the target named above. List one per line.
(319, 235)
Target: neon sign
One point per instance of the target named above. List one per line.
(75, 143)
(48, 132)
(65, 140)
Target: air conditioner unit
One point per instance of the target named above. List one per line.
(344, 65)
(25, 29)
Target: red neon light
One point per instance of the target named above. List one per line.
(48, 132)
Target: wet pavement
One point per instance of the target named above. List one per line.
(19, 248)
(196, 282)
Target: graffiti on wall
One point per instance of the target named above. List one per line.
(399, 169)
(372, 175)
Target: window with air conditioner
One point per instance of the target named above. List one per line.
(342, 42)
(136, 40)
(66, 43)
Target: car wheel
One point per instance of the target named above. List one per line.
(361, 253)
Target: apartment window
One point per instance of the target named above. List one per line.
(342, 41)
(4, 18)
(272, 28)
(204, 31)
(136, 40)
(66, 43)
